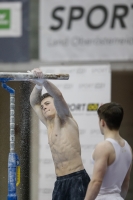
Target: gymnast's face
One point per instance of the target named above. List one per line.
(48, 108)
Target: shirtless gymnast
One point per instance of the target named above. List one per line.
(63, 136)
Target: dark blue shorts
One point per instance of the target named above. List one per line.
(71, 187)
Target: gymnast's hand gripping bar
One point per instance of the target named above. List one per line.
(18, 76)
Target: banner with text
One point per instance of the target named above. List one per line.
(14, 31)
(87, 30)
(87, 88)
(11, 19)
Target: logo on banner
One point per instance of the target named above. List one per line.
(50, 176)
(83, 107)
(92, 107)
(99, 70)
(4, 18)
(77, 107)
(82, 131)
(46, 190)
(46, 161)
(66, 86)
(88, 146)
(87, 86)
(95, 132)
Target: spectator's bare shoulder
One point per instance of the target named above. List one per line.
(102, 149)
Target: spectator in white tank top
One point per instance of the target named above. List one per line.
(112, 158)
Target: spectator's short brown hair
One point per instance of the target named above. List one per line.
(112, 113)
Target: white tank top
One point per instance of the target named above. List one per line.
(117, 171)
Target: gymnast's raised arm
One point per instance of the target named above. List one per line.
(35, 101)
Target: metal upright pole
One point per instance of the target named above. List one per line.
(13, 160)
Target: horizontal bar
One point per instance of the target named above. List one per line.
(18, 76)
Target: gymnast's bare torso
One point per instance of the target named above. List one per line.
(64, 143)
